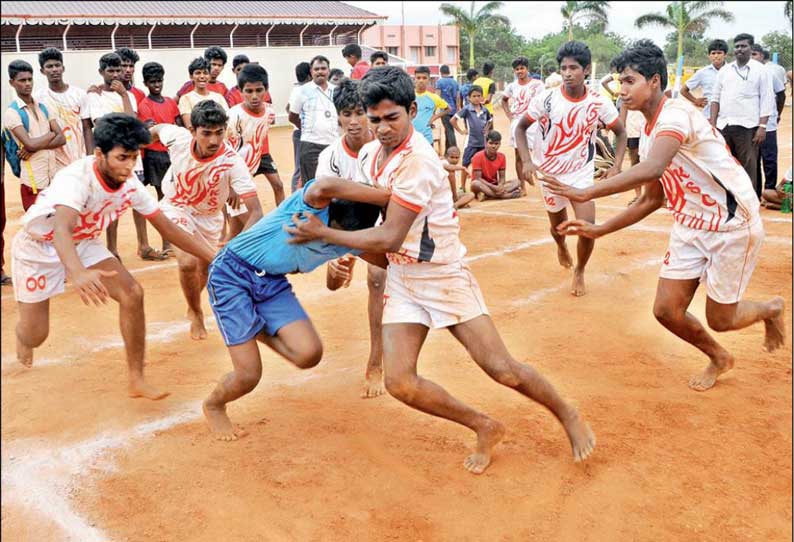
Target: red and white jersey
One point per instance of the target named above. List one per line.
(521, 95)
(202, 183)
(70, 109)
(417, 181)
(567, 132)
(81, 186)
(337, 160)
(247, 133)
(706, 188)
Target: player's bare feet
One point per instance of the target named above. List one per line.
(577, 285)
(563, 256)
(373, 384)
(705, 380)
(582, 439)
(197, 330)
(139, 388)
(775, 326)
(487, 437)
(24, 354)
(220, 424)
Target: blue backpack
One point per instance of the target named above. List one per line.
(10, 143)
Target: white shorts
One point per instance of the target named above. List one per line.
(555, 203)
(433, 295)
(531, 133)
(207, 227)
(725, 260)
(37, 271)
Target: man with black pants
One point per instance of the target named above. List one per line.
(768, 150)
(303, 76)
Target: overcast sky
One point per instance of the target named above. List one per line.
(535, 19)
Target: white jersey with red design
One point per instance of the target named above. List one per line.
(706, 188)
(80, 186)
(521, 95)
(417, 180)
(337, 160)
(202, 184)
(567, 130)
(247, 133)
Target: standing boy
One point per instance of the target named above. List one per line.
(234, 96)
(352, 54)
(216, 60)
(478, 122)
(487, 85)
(128, 60)
(448, 88)
(199, 70)
(705, 78)
(429, 105)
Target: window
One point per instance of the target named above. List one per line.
(394, 51)
(452, 54)
(414, 54)
(430, 51)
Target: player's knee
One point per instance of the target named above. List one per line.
(247, 380)
(309, 357)
(402, 387)
(276, 185)
(132, 293)
(665, 314)
(32, 337)
(188, 265)
(374, 280)
(505, 374)
(719, 322)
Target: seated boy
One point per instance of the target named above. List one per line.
(488, 172)
(252, 298)
(452, 166)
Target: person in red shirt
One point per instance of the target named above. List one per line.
(352, 53)
(216, 56)
(155, 109)
(488, 172)
(128, 59)
(234, 96)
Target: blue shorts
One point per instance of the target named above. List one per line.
(468, 154)
(245, 303)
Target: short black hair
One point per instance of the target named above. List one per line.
(451, 148)
(128, 54)
(487, 68)
(351, 216)
(50, 53)
(336, 71)
(758, 49)
(318, 58)
(471, 74)
(520, 61)
(120, 130)
(744, 37)
(387, 83)
(109, 60)
(252, 73)
(18, 66)
(198, 63)
(718, 45)
(422, 69)
(475, 88)
(576, 50)
(378, 54)
(152, 70)
(444, 69)
(239, 59)
(352, 49)
(494, 136)
(347, 96)
(208, 113)
(214, 52)
(302, 72)
(645, 58)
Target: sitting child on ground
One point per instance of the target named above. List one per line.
(488, 172)
(451, 163)
(773, 198)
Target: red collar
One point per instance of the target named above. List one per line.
(102, 180)
(397, 150)
(649, 126)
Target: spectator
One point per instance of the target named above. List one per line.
(378, 59)
(487, 85)
(554, 79)
(451, 163)
(768, 150)
(478, 121)
(741, 104)
(5, 280)
(705, 78)
(449, 90)
(199, 71)
(216, 57)
(335, 76)
(488, 170)
(429, 106)
(234, 97)
(465, 88)
(302, 75)
(352, 53)
(128, 60)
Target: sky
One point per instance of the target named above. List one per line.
(535, 19)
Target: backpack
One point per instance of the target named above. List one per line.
(10, 143)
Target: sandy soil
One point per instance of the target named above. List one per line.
(83, 462)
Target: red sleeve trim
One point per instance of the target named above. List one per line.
(612, 124)
(248, 195)
(672, 133)
(151, 215)
(407, 204)
(530, 117)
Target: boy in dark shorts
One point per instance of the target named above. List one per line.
(478, 121)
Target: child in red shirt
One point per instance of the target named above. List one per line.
(488, 172)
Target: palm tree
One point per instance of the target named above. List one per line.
(787, 11)
(574, 12)
(472, 22)
(686, 18)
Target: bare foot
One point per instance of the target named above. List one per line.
(582, 439)
(141, 389)
(220, 424)
(373, 384)
(24, 355)
(197, 330)
(707, 379)
(577, 286)
(487, 438)
(563, 256)
(775, 335)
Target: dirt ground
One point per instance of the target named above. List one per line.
(82, 462)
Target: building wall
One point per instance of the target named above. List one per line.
(82, 68)
(412, 43)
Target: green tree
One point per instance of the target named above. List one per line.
(472, 23)
(779, 42)
(787, 11)
(581, 12)
(694, 48)
(496, 42)
(685, 17)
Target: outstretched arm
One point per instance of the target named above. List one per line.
(324, 189)
(173, 233)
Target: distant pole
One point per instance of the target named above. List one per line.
(775, 57)
(679, 72)
(402, 10)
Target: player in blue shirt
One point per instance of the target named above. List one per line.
(253, 300)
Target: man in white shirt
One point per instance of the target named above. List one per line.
(303, 75)
(741, 104)
(554, 79)
(705, 78)
(313, 111)
(768, 149)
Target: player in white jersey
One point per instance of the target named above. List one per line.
(248, 125)
(61, 233)
(340, 159)
(428, 284)
(717, 232)
(204, 167)
(568, 117)
(515, 101)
